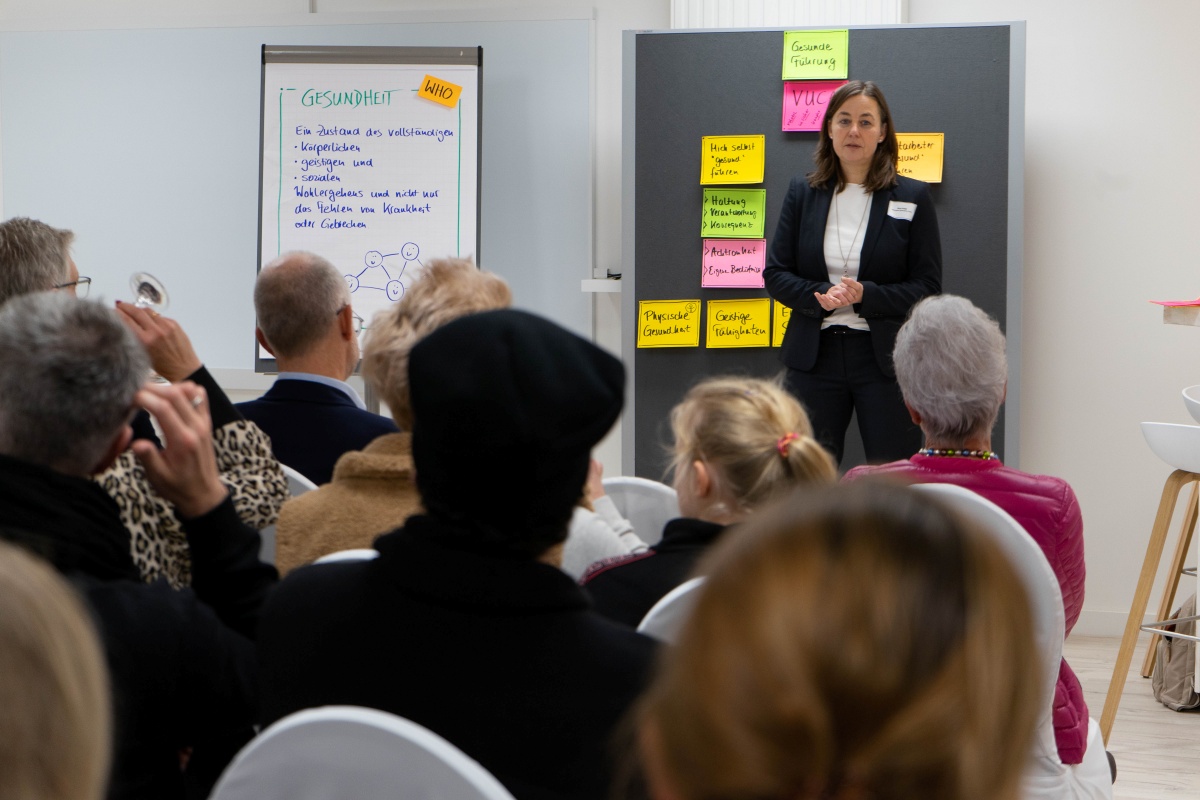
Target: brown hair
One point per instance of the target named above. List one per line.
(882, 174)
(55, 726)
(857, 641)
(448, 288)
(753, 434)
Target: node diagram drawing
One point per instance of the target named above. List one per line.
(376, 275)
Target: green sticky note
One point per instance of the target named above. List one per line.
(815, 55)
(734, 213)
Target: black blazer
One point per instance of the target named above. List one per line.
(311, 425)
(901, 263)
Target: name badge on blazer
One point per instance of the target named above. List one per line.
(899, 210)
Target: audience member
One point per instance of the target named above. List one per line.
(739, 443)
(36, 257)
(597, 530)
(306, 321)
(182, 662)
(952, 370)
(55, 727)
(372, 490)
(855, 642)
(464, 623)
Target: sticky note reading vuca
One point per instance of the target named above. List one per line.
(439, 91)
(804, 103)
(921, 155)
(816, 55)
(668, 323)
(732, 159)
(739, 323)
(733, 213)
(779, 328)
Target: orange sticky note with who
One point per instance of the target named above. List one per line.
(440, 91)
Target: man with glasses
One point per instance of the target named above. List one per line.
(306, 322)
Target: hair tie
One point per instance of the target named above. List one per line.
(784, 441)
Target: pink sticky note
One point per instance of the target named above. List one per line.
(733, 263)
(804, 103)
(1177, 303)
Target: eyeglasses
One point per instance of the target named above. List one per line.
(81, 286)
(357, 320)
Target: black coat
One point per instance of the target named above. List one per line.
(181, 662)
(625, 588)
(497, 653)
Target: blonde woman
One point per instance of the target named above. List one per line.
(55, 720)
(739, 443)
(857, 642)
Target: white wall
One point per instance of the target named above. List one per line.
(1111, 158)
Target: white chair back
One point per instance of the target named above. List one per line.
(337, 752)
(665, 619)
(1046, 777)
(647, 504)
(297, 485)
(357, 554)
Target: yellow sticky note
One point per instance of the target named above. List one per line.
(440, 91)
(739, 323)
(668, 323)
(732, 159)
(921, 155)
(780, 318)
(816, 55)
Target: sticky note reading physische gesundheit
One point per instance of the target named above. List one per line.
(739, 323)
(921, 156)
(733, 263)
(439, 91)
(816, 55)
(804, 103)
(668, 323)
(732, 159)
(733, 213)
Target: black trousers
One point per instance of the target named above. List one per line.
(847, 379)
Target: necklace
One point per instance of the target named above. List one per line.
(984, 454)
(837, 221)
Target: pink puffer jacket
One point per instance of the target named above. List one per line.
(1046, 507)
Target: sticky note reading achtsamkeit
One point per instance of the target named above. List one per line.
(733, 263)
(780, 319)
(732, 159)
(739, 323)
(439, 91)
(668, 323)
(733, 213)
(921, 155)
(804, 103)
(815, 55)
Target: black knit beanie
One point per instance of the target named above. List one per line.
(506, 409)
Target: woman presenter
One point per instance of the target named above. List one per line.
(856, 247)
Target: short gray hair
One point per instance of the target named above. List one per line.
(68, 372)
(952, 369)
(296, 297)
(34, 257)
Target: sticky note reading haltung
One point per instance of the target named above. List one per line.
(668, 323)
(804, 103)
(733, 213)
(739, 323)
(440, 91)
(816, 55)
(921, 155)
(733, 263)
(732, 159)
(780, 322)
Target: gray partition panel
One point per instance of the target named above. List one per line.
(686, 85)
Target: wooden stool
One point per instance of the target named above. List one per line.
(1176, 482)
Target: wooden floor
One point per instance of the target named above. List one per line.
(1157, 749)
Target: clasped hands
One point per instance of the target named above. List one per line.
(840, 295)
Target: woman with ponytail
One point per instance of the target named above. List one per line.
(739, 443)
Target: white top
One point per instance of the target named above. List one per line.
(845, 230)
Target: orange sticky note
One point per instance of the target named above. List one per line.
(440, 91)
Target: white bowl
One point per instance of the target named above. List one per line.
(1191, 399)
(1178, 445)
